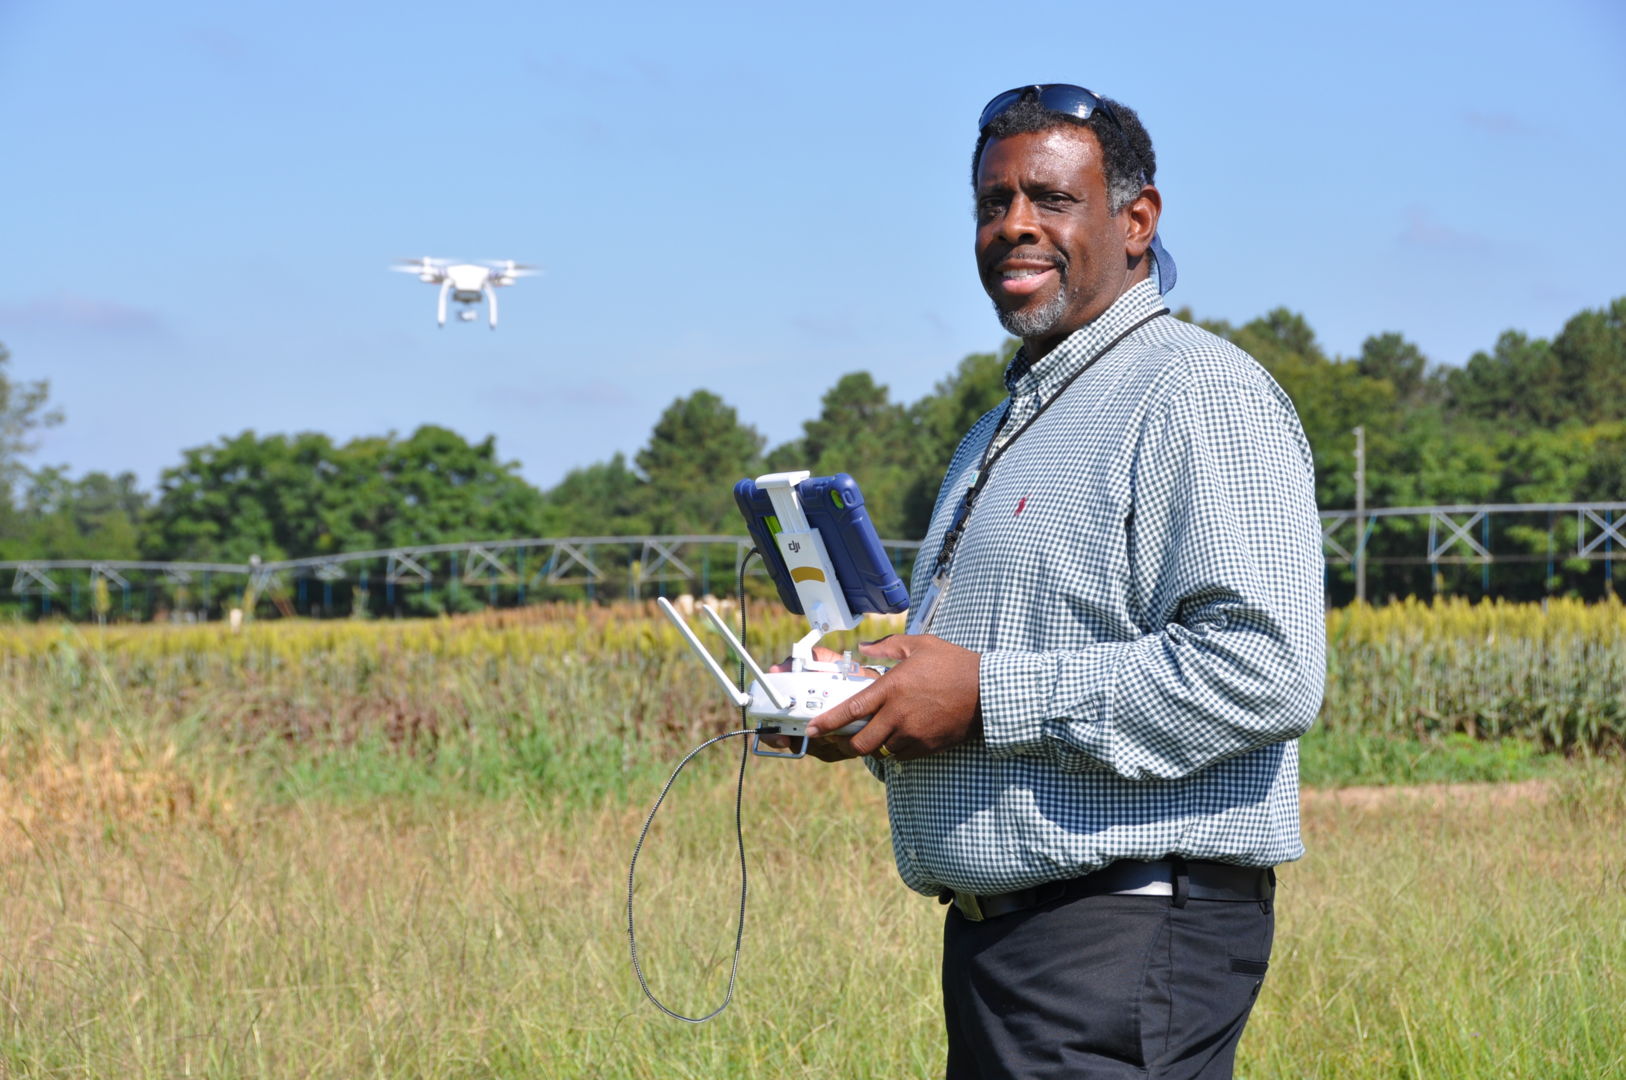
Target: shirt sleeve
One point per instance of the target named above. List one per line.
(1224, 548)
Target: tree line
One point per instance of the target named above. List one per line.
(1528, 420)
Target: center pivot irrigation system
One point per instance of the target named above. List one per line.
(601, 566)
(1477, 536)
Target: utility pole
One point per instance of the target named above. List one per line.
(1360, 515)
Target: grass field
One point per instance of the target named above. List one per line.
(371, 851)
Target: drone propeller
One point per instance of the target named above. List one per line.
(510, 268)
(423, 265)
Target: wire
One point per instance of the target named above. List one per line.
(739, 841)
(632, 869)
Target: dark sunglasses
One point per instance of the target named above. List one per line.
(1057, 97)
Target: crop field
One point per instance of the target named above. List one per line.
(400, 850)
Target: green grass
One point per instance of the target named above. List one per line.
(305, 869)
(1460, 937)
(568, 732)
(1336, 757)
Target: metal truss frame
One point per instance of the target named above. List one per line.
(110, 574)
(403, 568)
(1600, 529)
(329, 571)
(1609, 531)
(1458, 532)
(483, 567)
(1450, 530)
(567, 554)
(31, 580)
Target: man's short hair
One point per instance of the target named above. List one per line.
(1126, 151)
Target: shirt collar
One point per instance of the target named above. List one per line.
(1136, 303)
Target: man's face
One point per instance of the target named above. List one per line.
(1049, 254)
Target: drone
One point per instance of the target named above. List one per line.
(467, 283)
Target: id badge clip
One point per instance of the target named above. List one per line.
(921, 621)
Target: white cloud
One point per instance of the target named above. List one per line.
(75, 312)
(1424, 230)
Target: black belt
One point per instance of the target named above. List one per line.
(1179, 879)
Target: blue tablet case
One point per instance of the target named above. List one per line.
(835, 507)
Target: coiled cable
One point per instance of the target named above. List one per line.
(739, 840)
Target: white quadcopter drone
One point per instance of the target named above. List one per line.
(467, 283)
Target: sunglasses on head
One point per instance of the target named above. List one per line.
(1057, 97)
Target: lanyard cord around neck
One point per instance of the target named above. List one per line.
(962, 514)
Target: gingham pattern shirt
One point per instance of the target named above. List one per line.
(1142, 575)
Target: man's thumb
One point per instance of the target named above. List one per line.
(862, 704)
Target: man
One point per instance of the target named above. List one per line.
(1116, 637)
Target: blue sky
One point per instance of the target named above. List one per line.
(201, 199)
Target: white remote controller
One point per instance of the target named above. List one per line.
(780, 702)
(807, 693)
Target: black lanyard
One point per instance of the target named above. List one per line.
(945, 554)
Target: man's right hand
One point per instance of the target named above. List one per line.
(830, 747)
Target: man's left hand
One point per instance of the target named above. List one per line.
(925, 704)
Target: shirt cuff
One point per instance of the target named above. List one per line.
(1044, 703)
(1013, 687)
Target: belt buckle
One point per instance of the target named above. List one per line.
(968, 905)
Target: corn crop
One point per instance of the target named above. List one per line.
(1553, 673)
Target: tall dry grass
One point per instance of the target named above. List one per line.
(318, 850)
(1457, 937)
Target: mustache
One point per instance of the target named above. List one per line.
(1057, 261)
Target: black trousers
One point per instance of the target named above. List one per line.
(1103, 987)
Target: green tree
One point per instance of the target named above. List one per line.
(605, 499)
(942, 418)
(1605, 477)
(960, 400)
(95, 517)
(1332, 398)
(282, 496)
(1402, 364)
(243, 496)
(861, 431)
(696, 453)
(1526, 383)
(1590, 352)
(24, 411)
(1518, 382)
(432, 487)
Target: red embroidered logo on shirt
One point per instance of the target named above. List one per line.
(1023, 501)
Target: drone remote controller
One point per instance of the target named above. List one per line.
(782, 702)
(834, 593)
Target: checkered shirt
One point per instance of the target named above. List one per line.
(1142, 576)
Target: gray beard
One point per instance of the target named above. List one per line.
(1034, 322)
